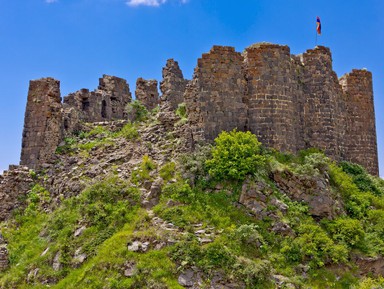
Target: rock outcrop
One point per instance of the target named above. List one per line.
(314, 191)
(3, 254)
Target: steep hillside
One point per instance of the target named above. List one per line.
(140, 205)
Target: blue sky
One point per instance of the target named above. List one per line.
(76, 41)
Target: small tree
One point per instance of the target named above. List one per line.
(136, 111)
(235, 155)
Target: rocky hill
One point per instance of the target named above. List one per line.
(139, 205)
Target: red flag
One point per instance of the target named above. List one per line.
(318, 26)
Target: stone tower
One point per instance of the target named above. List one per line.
(360, 136)
(42, 123)
(214, 97)
(271, 95)
(322, 99)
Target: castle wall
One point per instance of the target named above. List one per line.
(360, 136)
(115, 91)
(323, 111)
(147, 93)
(107, 102)
(214, 97)
(42, 123)
(271, 95)
(290, 102)
(173, 84)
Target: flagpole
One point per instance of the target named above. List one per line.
(316, 34)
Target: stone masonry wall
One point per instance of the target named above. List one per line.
(323, 113)
(107, 102)
(147, 93)
(119, 95)
(214, 98)
(290, 102)
(271, 95)
(360, 135)
(173, 84)
(42, 123)
(14, 183)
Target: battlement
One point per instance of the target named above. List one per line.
(291, 102)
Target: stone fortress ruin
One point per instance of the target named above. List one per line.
(291, 102)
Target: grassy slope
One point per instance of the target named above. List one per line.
(243, 247)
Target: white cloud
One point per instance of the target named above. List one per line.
(50, 1)
(153, 3)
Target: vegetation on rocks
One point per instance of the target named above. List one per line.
(217, 216)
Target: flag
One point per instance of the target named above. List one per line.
(318, 26)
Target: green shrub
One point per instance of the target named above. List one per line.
(136, 111)
(179, 191)
(235, 155)
(248, 234)
(167, 171)
(356, 202)
(193, 166)
(370, 283)
(142, 173)
(314, 246)
(348, 231)
(108, 202)
(67, 147)
(375, 222)
(252, 272)
(129, 131)
(99, 131)
(37, 199)
(307, 152)
(362, 179)
(313, 164)
(181, 111)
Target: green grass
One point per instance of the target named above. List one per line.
(244, 247)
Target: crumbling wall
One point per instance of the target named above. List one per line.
(173, 84)
(271, 95)
(115, 91)
(107, 102)
(360, 135)
(14, 183)
(214, 97)
(147, 93)
(43, 129)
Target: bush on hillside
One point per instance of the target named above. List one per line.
(235, 155)
(362, 179)
(136, 111)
